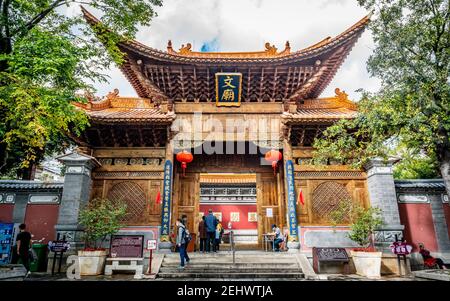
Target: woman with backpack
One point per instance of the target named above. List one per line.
(182, 242)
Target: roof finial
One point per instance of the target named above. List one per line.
(169, 47)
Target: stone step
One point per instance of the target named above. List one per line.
(279, 278)
(238, 253)
(187, 274)
(229, 265)
(229, 256)
(218, 264)
(220, 271)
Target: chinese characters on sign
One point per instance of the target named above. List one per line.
(401, 248)
(228, 89)
(6, 239)
(167, 197)
(292, 210)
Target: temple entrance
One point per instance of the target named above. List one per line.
(240, 189)
(233, 200)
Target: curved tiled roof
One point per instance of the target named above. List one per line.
(323, 109)
(317, 64)
(313, 115)
(125, 110)
(420, 184)
(240, 57)
(29, 185)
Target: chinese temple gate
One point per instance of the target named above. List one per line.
(183, 96)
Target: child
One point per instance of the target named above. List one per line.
(218, 236)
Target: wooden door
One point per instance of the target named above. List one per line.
(186, 200)
(268, 197)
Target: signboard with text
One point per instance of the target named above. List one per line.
(401, 248)
(166, 200)
(292, 210)
(130, 246)
(6, 240)
(228, 89)
(151, 244)
(58, 246)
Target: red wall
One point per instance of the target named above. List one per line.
(6, 213)
(447, 216)
(226, 212)
(41, 221)
(419, 227)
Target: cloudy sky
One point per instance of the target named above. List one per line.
(245, 25)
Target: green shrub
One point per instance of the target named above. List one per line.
(101, 218)
(363, 222)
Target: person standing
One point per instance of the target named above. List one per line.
(211, 224)
(184, 219)
(23, 246)
(181, 243)
(202, 234)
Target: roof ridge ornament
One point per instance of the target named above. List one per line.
(269, 51)
(342, 97)
(113, 94)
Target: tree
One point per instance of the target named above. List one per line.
(101, 218)
(47, 60)
(412, 107)
(363, 222)
(415, 166)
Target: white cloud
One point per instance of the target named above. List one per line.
(246, 25)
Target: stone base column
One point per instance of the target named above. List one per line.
(76, 194)
(381, 187)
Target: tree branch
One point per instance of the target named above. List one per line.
(40, 16)
(33, 22)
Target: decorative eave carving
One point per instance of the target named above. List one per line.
(270, 51)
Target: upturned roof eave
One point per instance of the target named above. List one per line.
(136, 47)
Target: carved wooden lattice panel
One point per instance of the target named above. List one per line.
(133, 195)
(326, 198)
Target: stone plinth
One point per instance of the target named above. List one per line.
(382, 194)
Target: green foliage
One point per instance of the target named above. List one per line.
(412, 107)
(48, 58)
(101, 218)
(415, 166)
(363, 221)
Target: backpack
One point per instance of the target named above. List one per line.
(186, 237)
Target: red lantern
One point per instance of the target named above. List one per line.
(184, 157)
(274, 156)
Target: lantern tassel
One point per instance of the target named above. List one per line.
(184, 166)
(274, 166)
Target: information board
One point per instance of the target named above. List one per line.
(331, 254)
(130, 246)
(58, 246)
(6, 241)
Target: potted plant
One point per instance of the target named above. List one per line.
(100, 218)
(363, 224)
